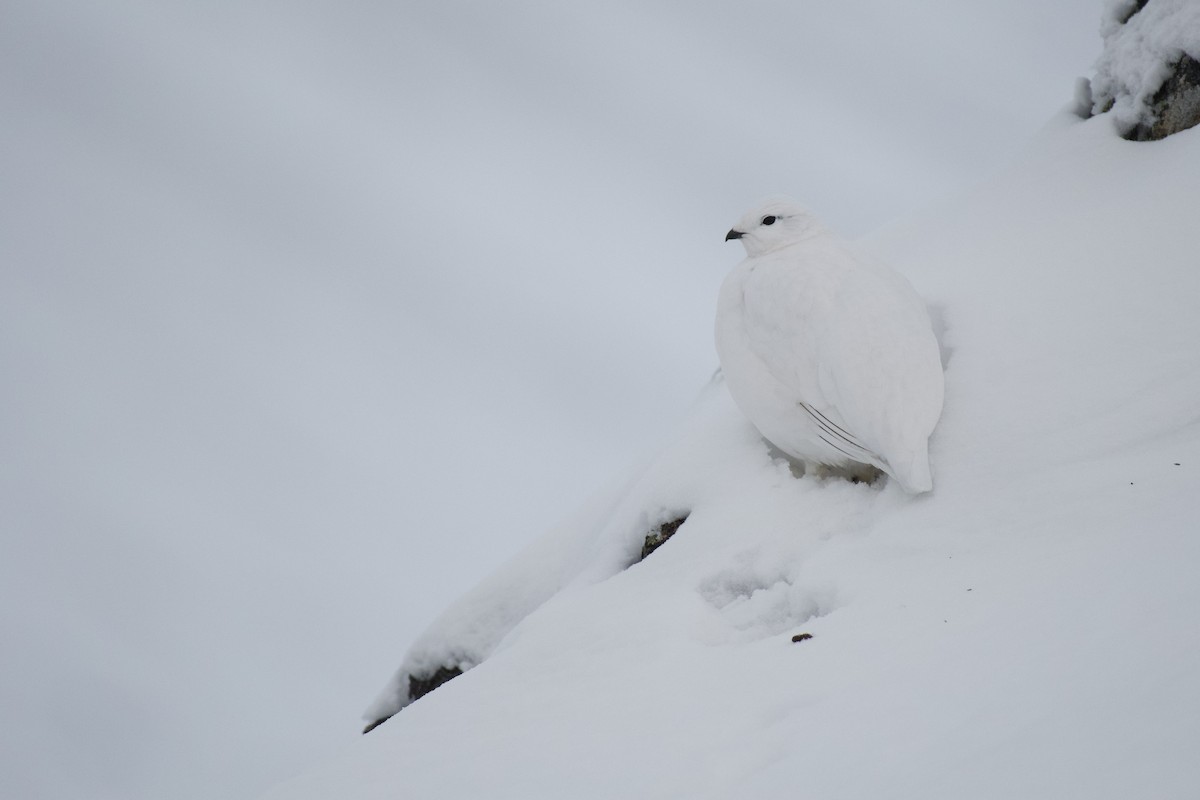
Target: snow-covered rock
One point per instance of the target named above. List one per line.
(1028, 630)
(1149, 74)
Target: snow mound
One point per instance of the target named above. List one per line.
(716, 471)
(1026, 630)
(1146, 46)
(471, 628)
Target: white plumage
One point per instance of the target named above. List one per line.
(829, 354)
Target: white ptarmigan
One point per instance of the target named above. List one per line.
(829, 354)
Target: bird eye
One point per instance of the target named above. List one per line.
(768, 220)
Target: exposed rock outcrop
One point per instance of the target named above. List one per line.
(1148, 76)
(418, 687)
(658, 537)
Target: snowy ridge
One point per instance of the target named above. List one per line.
(716, 459)
(468, 631)
(1028, 630)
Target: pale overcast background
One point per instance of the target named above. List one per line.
(312, 313)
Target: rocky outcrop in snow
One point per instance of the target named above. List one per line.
(1148, 76)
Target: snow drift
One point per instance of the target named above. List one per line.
(1028, 630)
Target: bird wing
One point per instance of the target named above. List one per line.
(794, 301)
(852, 340)
(883, 373)
(787, 308)
(839, 438)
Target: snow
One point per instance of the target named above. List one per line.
(294, 357)
(469, 630)
(1139, 54)
(1026, 630)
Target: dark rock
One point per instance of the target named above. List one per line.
(1175, 106)
(1134, 8)
(657, 537)
(418, 687)
(800, 637)
(373, 725)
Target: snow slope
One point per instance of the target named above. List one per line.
(276, 282)
(1028, 630)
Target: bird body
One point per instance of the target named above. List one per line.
(829, 354)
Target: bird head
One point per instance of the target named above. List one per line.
(774, 223)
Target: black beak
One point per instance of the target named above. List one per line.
(733, 234)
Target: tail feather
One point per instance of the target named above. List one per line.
(914, 473)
